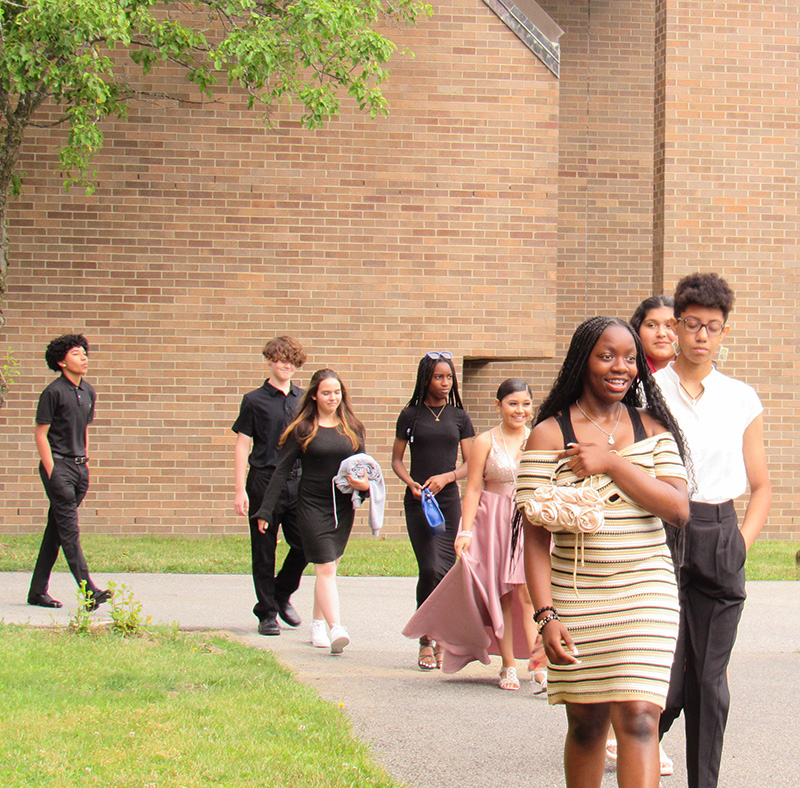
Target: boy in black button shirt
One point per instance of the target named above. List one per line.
(66, 408)
(264, 415)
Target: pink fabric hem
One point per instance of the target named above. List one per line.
(463, 613)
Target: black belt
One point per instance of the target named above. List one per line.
(715, 512)
(76, 460)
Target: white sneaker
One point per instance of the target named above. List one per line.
(339, 638)
(319, 635)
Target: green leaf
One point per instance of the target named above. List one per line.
(312, 51)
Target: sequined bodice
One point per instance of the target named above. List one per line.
(500, 472)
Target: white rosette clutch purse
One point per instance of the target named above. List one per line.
(574, 508)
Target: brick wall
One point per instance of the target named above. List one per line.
(493, 211)
(372, 242)
(728, 181)
(678, 152)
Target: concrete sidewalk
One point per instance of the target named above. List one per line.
(460, 731)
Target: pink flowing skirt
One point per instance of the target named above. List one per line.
(463, 613)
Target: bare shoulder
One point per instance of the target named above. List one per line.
(484, 439)
(482, 443)
(546, 435)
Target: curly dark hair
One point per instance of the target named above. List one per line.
(57, 350)
(654, 302)
(708, 290)
(285, 349)
(425, 370)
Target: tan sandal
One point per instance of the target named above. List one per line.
(426, 659)
(438, 653)
(508, 679)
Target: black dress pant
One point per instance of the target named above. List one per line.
(268, 587)
(712, 596)
(66, 488)
(435, 554)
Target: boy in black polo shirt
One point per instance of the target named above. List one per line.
(264, 415)
(66, 408)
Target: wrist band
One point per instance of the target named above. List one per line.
(546, 620)
(455, 478)
(541, 610)
(464, 533)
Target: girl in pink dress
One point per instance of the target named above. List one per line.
(482, 602)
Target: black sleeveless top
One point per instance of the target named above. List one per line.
(568, 433)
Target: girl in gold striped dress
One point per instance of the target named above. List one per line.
(606, 603)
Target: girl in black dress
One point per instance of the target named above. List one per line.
(434, 425)
(323, 433)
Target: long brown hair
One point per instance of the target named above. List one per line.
(306, 422)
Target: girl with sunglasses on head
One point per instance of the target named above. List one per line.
(434, 426)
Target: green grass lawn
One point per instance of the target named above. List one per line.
(773, 560)
(165, 710)
(767, 560)
(204, 555)
(176, 710)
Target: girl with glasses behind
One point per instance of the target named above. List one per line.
(434, 426)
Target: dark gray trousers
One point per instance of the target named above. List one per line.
(65, 487)
(712, 597)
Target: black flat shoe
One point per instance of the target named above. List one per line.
(268, 626)
(43, 600)
(287, 612)
(96, 598)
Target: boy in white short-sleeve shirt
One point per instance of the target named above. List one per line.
(723, 424)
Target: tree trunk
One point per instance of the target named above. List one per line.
(17, 120)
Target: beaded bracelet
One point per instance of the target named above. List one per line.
(540, 625)
(464, 533)
(541, 610)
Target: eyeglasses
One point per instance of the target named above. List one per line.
(693, 325)
(436, 355)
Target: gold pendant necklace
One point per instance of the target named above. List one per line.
(611, 440)
(435, 416)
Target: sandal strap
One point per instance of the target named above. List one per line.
(508, 678)
(425, 658)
